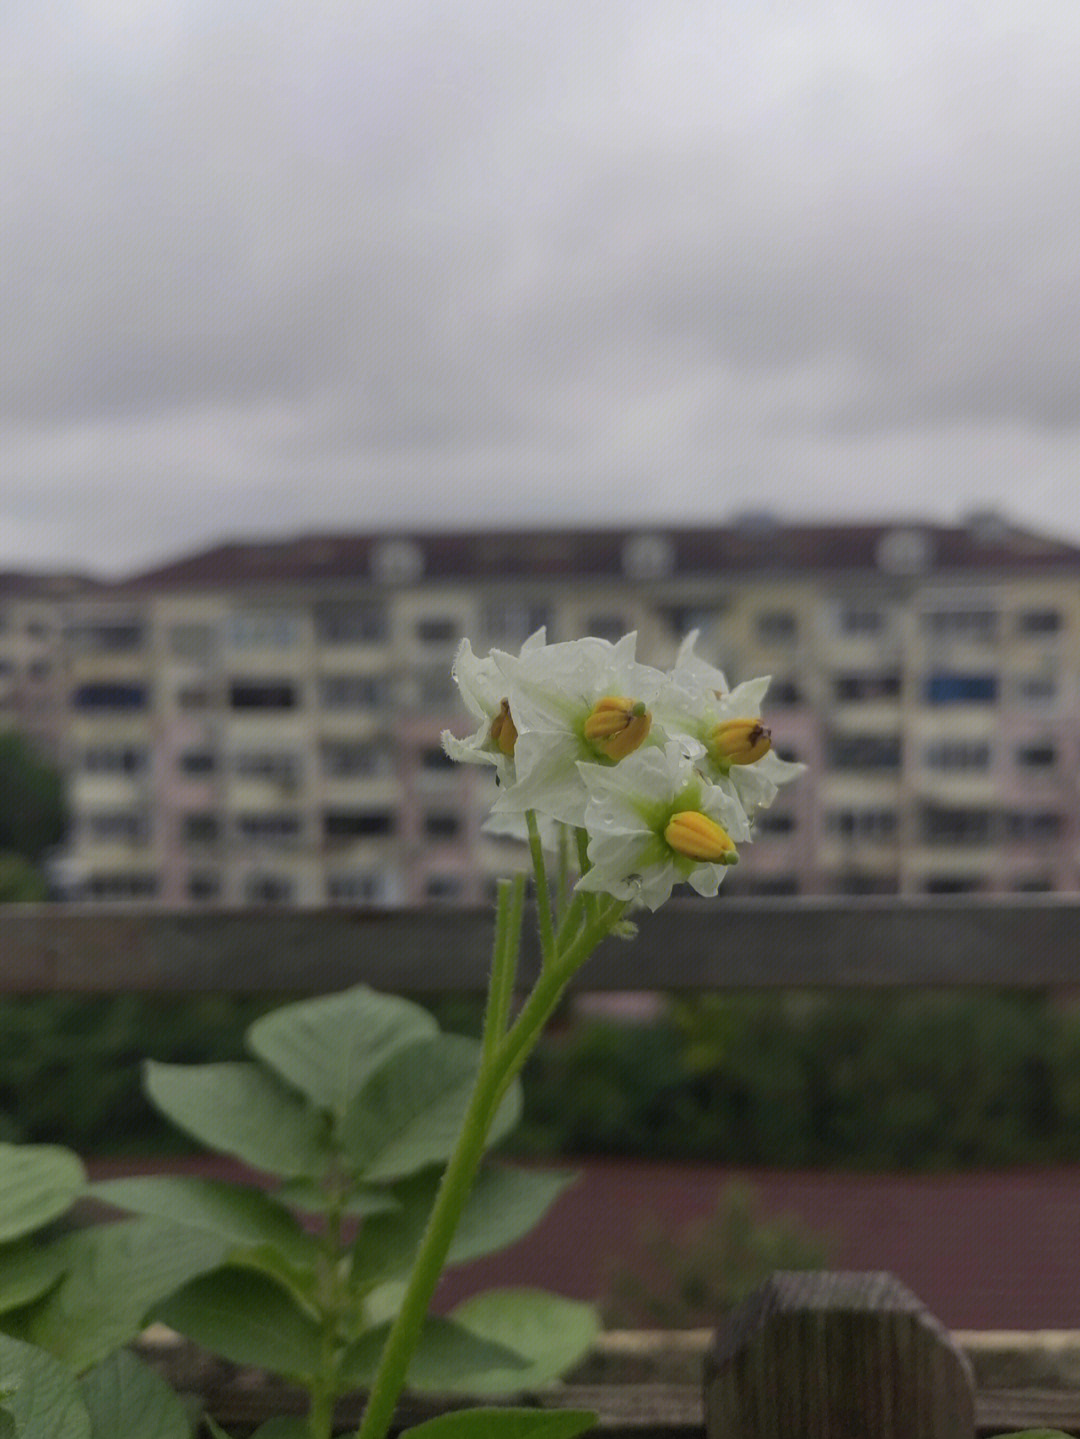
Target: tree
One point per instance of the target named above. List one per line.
(32, 809)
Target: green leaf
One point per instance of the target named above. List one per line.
(247, 1318)
(308, 1196)
(27, 1271)
(242, 1110)
(504, 1204)
(46, 1402)
(7, 1424)
(328, 1048)
(126, 1399)
(448, 1359)
(37, 1183)
(234, 1211)
(505, 1424)
(549, 1334)
(409, 1114)
(216, 1431)
(285, 1427)
(116, 1273)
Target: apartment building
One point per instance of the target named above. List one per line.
(260, 723)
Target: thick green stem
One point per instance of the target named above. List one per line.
(324, 1390)
(501, 1060)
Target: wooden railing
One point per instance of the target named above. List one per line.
(1030, 942)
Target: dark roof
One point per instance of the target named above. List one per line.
(27, 584)
(759, 544)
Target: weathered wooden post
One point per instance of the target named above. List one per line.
(835, 1355)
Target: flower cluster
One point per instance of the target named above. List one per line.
(663, 772)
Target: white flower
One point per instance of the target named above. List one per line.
(585, 701)
(483, 693)
(736, 748)
(653, 822)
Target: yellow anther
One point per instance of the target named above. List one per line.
(739, 741)
(503, 731)
(698, 837)
(616, 726)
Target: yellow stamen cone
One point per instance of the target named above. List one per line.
(696, 836)
(503, 731)
(616, 726)
(739, 741)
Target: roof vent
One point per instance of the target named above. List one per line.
(397, 562)
(987, 527)
(648, 557)
(904, 552)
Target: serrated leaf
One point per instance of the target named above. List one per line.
(234, 1211)
(242, 1110)
(116, 1273)
(548, 1333)
(504, 1204)
(46, 1402)
(448, 1358)
(505, 1424)
(247, 1318)
(126, 1399)
(329, 1047)
(27, 1270)
(409, 1114)
(37, 1183)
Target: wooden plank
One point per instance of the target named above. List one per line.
(836, 1355)
(877, 942)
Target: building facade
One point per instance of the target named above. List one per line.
(260, 723)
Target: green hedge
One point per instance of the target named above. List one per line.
(889, 1081)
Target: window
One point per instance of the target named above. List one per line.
(1034, 825)
(39, 670)
(783, 692)
(1039, 754)
(437, 630)
(268, 889)
(435, 760)
(196, 762)
(201, 828)
(357, 823)
(442, 824)
(277, 766)
(1033, 884)
(120, 885)
(853, 618)
(355, 887)
(106, 637)
(263, 695)
(1038, 622)
(114, 759)
(951, 884)
(774, 822)
(436, 689)
(107, 696)
(191, 642)
(777, 626)
(951, 689)
(511, 621)
(956, 826)
(356, 759)
(610, 627)
(351, 692)
(770, 886)
(863, 751)
(268, 827)
(443, 887)
(958, 755)
(117, 826)
(1036, 689)
(870, 825)
(347, 622)
(202, 887)
(857, 688)
(856, 882)
(268, 630)
(978, 626)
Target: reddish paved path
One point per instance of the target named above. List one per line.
(991, 1250)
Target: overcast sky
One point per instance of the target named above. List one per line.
(275, 266)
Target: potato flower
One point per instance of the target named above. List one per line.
(653, 822)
